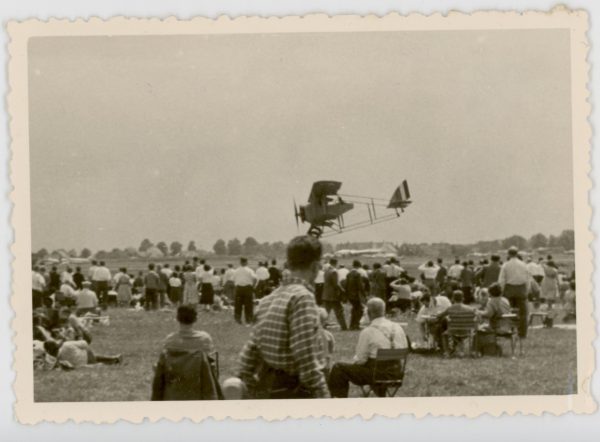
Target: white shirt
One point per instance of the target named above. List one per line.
(228, 275)
(320, 279)
(200, 272)
(342, 273)
(167, 271)
(262, 273)
(362, 272)
(37, 282)
(430, 272)
(66, 277)
(455, 270)
(67, 290)
(87, 299)
(91, 271)
(174, 282)
(101, 274)
(513, 272)
(535, 269)
(442, 302)
(379, 334)
(244, 276)
(396, 271)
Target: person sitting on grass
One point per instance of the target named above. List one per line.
(186, 338)
(185, 368)
(381, 333)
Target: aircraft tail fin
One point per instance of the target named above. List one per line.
(401, 197)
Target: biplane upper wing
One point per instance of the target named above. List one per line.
(321, 189)
(401, 197)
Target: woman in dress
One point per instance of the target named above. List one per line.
(549, 286)
(190, 292)
(124, 285)
(207, 293)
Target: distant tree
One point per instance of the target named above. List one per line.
(101, 254)
(567, 239)
(131, 252)
(41, 254)
(191, 246)
(327, 247)
(278, 248)
(460, 250)
(117, 253)
(251, 246)
(514, 241)
(234, 247)
(145, 245)
(85, 253)
(538, 240)
(552, 241)
(176, 248)
(72, 253)
(220, 248)
(162, 246)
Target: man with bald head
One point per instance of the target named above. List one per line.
(381, 333)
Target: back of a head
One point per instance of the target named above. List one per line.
(495, 258)
(274, 262)
(151, 266)
(376, 308)
(243, 261)
(429, 263)
(303, 251)
(206, 268)
(457, 296)
(425, 300)
(356, 264)
(377, 266)
(333, 262)
(186, 314)
(495, 290)
(440, 261)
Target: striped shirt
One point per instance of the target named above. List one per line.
(287, 337)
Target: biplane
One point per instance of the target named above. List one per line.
(326, 208)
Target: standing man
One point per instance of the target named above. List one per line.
(228, 285)
(440, 277)
(262, 275)
(378, 282)
(151, 284)
(356, 293)
(244, 280)
(282, 359)
(332, 295)
(102, 278)
(514, 280)
(78, 278)
(490, 273)
(429, 271)
(455, 270)
(467, 278)
(536, 270)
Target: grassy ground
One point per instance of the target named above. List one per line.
(548, 368)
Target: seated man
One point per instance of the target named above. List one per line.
(381, 333)
(185, 370)
(456, 310)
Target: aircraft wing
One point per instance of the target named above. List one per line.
(321, 189)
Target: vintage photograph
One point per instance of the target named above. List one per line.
(230, 213)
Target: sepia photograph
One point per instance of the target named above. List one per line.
(286, 213)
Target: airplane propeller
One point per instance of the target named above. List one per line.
(296, 214)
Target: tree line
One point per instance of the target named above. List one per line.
(251, 247)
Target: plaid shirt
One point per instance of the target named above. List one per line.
(286, 337)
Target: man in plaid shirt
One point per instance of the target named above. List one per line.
(282, 359)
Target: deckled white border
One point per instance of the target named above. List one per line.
(29, 412)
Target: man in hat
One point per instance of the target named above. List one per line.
(514, 279)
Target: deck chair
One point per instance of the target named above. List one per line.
(462, 326)
(388, 373)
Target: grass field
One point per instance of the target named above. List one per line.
(548, 368)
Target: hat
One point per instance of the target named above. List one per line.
(86, 284)
(513, 249)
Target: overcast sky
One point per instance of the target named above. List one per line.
(206, 137)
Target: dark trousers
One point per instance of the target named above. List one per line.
(37, 298)
(319, 294)
(342, 373)
(517, 296)
(468, 294)
(102, 292)
(355, 314)
(336, 306)
(243, 301)
(277, 384)
(151, 299)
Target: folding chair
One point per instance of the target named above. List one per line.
(461, 326)
(388, 373)
(511, 332)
